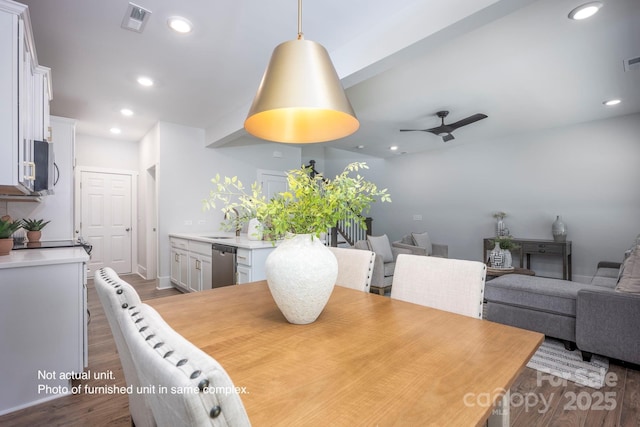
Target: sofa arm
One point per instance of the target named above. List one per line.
(608, 323)
(440, 250)
(608, 264)
(404, 248)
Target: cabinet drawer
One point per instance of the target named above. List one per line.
(179, 243)
(200, 247)
(243, 256)
(541, 248)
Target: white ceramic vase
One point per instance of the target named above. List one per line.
(254, 229)
(301, 273)
(508, 259)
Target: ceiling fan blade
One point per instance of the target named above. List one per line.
(467, 121)
(448, 137)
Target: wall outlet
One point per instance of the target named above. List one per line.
(417, 217)
(188, 222)
(202, 221)
(277, 154)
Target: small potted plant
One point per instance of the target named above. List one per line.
(34, 228)
(7, 228)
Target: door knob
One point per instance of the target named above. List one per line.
(127, 229)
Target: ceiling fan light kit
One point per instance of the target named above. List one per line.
(300, 98)
(445, 131)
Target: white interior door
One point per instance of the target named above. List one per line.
(106, 218)
(273, 182)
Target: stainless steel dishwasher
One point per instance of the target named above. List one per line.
(223, 265)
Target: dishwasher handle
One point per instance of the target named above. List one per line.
(224, 248)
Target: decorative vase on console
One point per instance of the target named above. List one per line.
(559, 230)
(501, 227)
(496, 257)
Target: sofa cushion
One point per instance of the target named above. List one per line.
(536, 293)
(630, 277)
(382, 246)
(604, 282)
(422, 240)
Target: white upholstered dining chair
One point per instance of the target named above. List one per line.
(355, 268)
(187, 386)
(452, 285)
(114, 294)
(153, 355)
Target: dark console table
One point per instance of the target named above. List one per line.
(530, 247)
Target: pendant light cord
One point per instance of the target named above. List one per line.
(300, 33)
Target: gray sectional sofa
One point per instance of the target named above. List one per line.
(601, 317)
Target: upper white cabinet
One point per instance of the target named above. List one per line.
(25, 93)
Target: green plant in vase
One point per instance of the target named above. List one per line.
(506, 242)
(312, 205)
(300, 271)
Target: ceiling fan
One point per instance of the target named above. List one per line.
(445, 130)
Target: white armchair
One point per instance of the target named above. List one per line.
(420, 244)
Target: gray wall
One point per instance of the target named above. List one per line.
(587, 173)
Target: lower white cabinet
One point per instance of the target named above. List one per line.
(179, 264)
(190, 264)
(250, 264)
(199, 266)
(43, 313)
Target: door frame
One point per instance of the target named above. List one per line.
(77, 205)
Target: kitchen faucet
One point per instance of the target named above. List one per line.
(237, 221)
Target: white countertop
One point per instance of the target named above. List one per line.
(225, 238)
(45, 256)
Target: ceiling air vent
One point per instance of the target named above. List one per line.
(632, 64)
(135, 18)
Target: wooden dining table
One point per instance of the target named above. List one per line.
(367, 360)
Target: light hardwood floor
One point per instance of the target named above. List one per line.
(535, 401)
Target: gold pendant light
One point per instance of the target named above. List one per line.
(300, 98)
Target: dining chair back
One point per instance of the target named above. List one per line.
(355, 268)
(183, 385)
(452, 285)
(115, 296)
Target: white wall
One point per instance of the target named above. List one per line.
(106, 153)
(587, 173)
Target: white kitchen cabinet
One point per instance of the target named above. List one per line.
(250, 264)
(43, 312)
(25, 94)
(199, 266)
(180, 263)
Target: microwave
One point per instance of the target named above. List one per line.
(44, 160)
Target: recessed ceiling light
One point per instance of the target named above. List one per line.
(360, 147)
(145, 81)
(180, 24)
(612, 102)
(115, 130)
(585, 11)
(393, 148)
(126, 112)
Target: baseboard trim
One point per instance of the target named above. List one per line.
(164, 282)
